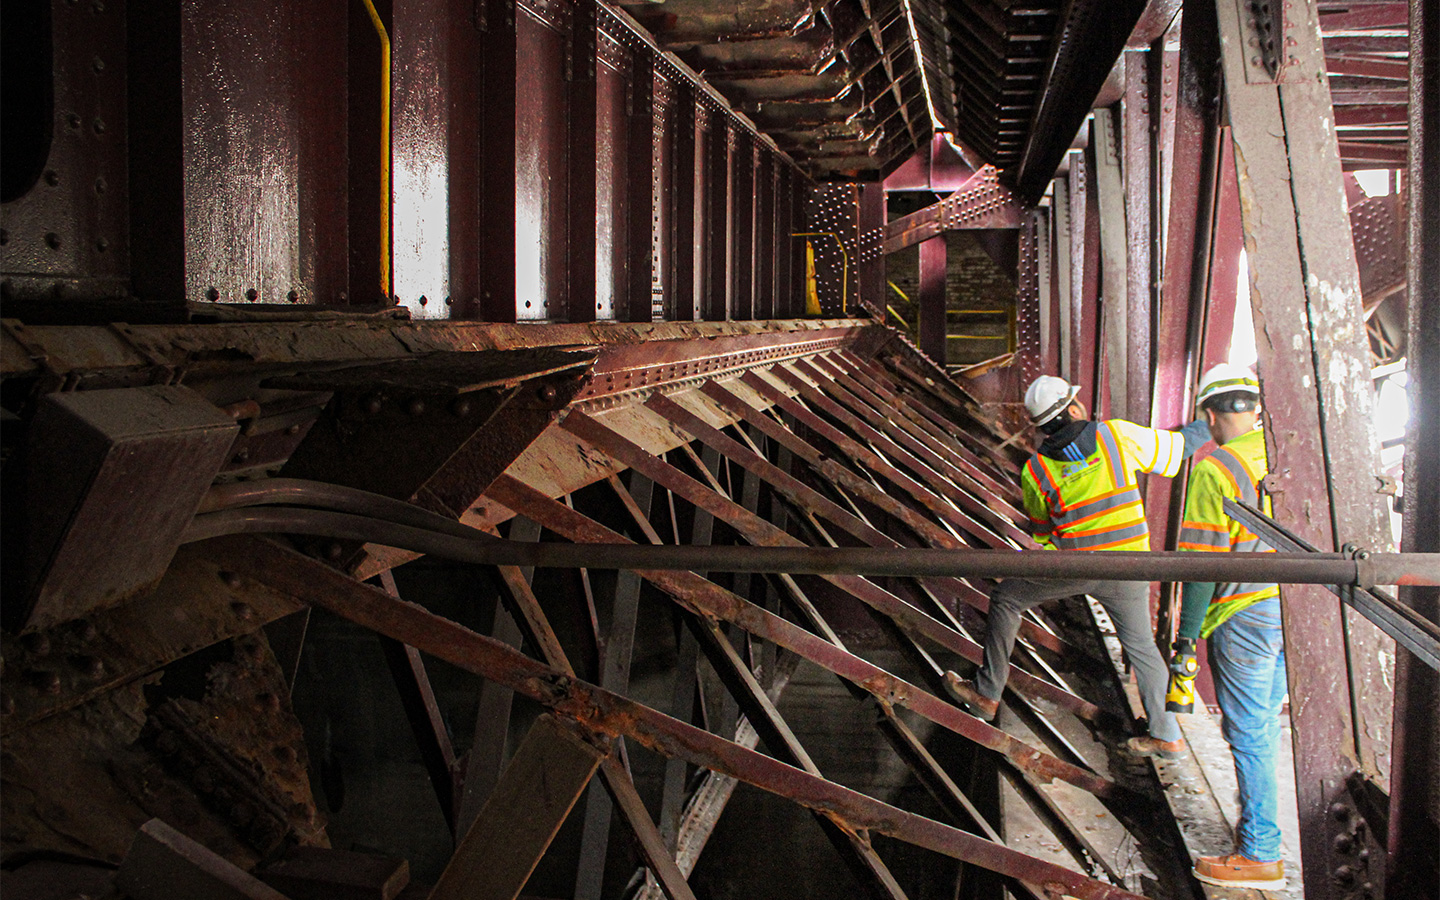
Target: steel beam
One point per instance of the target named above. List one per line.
(1414, 814)
(1141, 201)
(603, 712)
(932, 308)
(1319, 438)
(1116, 342)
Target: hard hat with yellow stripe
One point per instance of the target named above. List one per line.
(1228, 378)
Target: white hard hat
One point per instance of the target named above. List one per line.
(1047, 397)
(1225, 378)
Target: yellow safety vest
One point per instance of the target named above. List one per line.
(1233, 471)
(1089, 504)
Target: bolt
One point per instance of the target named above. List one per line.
(242, 611)
(36, 643)
(415, 407)
(45, 682)
(90, 666)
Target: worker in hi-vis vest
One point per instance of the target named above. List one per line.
(1241, 623)
(1080, 493)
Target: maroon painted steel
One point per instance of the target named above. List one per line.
(640, 195)
(680, 301)
(1141, 188)
(498, 166)
(614, 715)
(1026, 366)
(582, 150)
(982, 202)
(1306, 295)
(542, 161)
(922, 462)
(1414, 814)
(934, 327)
(811, 501)
(710, 600)
(762, 534)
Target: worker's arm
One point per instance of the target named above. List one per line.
(1156, 450)
(1194, 601)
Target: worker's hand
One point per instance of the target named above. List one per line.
(1183, 662)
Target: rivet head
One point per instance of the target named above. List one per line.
(286, 754)
(45, 682)
(268, 701)
(374, 403)
(212, 294)
(415, 406)
(548, 393)
(89, 666)
(334, 550)
(461, 407)
(36, 643)
(230, 579)
(242, 611)
(1340, 811)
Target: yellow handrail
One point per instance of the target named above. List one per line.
(844, 262)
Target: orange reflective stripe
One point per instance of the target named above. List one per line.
(1097, 498)
(1186, 545)
(1205, 526)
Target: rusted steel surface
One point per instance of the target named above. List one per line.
(810, 501)
(708, 599)
(1414, 813)
(982, 202)
(607, 713)
(1115, 340)
(1318, 423)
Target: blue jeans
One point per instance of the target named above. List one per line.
(1247, 657)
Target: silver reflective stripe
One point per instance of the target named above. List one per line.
(1092, 507)
(1117, 475)
(1232, 464)
(1220, 540)
(1227, 591)
(1086, 541)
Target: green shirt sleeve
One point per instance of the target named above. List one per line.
(1194, 601)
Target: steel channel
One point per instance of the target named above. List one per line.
(811, 501)
(708, 599)
(1414, 798)
(926, 420)
(1289, 232)
(1140, 188)
(974, 478)
(961, 504)
(608, 713)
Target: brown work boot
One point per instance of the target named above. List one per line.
(1240, 872)
(1150, 746)
(973, 702)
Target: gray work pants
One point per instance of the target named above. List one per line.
(1127, 602)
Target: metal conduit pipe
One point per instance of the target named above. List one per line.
(480, 548)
